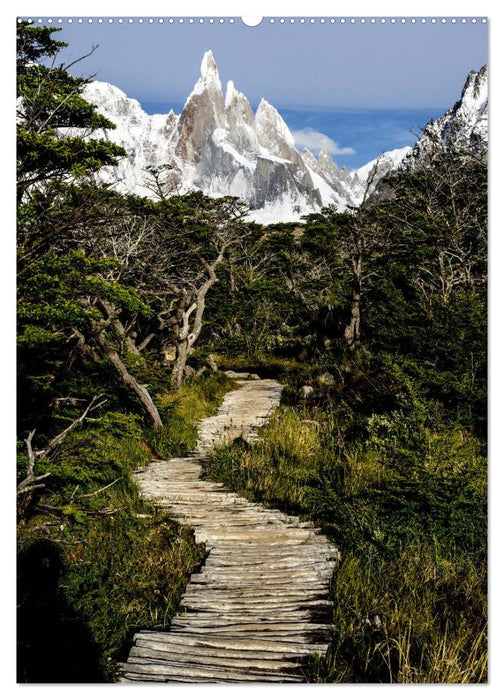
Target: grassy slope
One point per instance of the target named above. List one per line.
(403, 493)
(96, 562)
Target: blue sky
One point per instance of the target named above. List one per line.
(363, 85)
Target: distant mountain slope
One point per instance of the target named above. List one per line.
(464, 127)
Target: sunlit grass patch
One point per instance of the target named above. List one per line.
(182, 410)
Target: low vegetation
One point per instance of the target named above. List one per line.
(96, 563)
(402, 490)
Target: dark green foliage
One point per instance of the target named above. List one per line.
(50, 101)
(49, 292)
(110, 449)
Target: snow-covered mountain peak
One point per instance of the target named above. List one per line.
(327, 163)
(271, 128)
(325, 153)
(209, 70)
(222, 148)
(464, 127)
(474, 98)
(231, 93)
(385, 163)
(209, 80)
(476, 87)
(110, 99)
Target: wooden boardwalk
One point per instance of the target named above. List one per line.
(259, 605)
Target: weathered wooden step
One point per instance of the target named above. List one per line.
(168, 669)
(218, 652)
(275, 617)
(260, 609)
(265, 567)
(276, 547)
(257, 600)
(222, 626)
(216, 642)
(251, 589)
(252, 665)
(278, 579)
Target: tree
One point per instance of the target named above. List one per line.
(63, 293)
(428, 302)
(212, 227)
(364, 242)
(50, 110)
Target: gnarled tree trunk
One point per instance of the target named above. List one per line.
(187, 335)
(352, 330)
(128, 379)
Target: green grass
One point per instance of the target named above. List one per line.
(403, 493)
(96, 563)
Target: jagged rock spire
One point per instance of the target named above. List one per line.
(209, 72)
(223, 148)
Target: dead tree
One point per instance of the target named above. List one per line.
(32, 482)
(352, 332)
(188, 328)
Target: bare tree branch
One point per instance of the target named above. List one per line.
(31, 481)
(104, 488)
(92, 406)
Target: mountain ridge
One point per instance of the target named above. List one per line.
(219, 145)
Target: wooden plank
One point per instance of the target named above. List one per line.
(150, 678)
(277, 612)
(210, 672)
(212, 563)
(221, 626)
(229, 662)
(272, 580)
(218, 652)
(214, 641)
(249, 588)
(257, 600)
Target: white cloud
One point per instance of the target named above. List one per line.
(314, 140)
